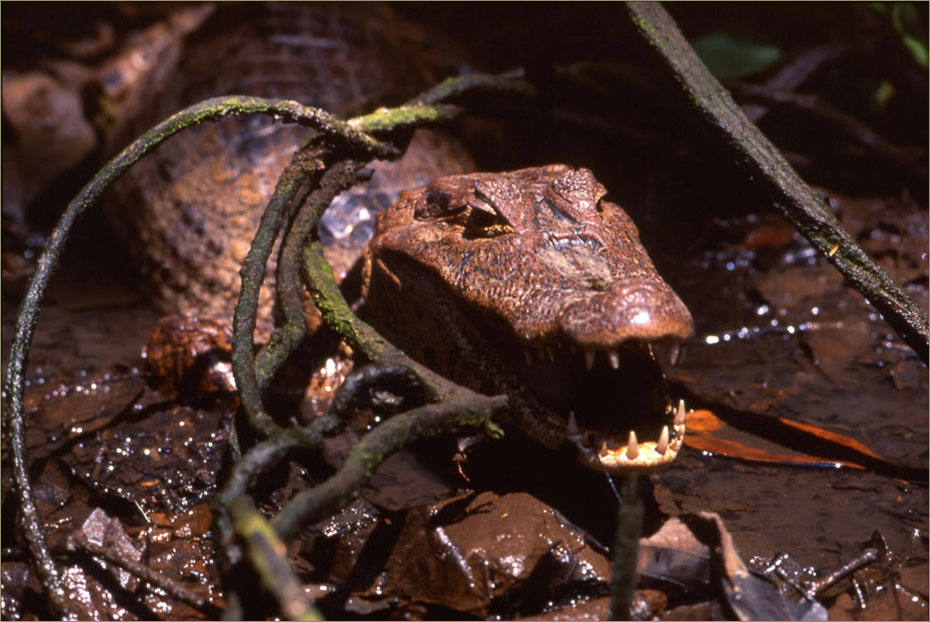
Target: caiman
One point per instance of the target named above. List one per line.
(526, 283)
(530, 283)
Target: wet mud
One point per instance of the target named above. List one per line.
(505, 529)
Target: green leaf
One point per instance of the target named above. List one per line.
(917, 48)
(913, 31)
(905, 18)
(730, 58)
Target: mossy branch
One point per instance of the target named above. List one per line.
(261, 457)
(626, 548)
(797, 202)
(268, 556)
(47, 264)
(293, 180)
(359, 335)
(464, 412)
(330, 152)
(509, 84)
(456, 409)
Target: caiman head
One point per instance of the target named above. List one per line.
(529, 283)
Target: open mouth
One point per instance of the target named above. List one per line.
(611, 404)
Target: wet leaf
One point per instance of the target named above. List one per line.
(61, 414)
(674, 555)
(750, 596)
(774, 437)
(488, 554)
(161, 458)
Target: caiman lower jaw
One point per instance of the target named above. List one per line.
(636, 454)
(612, 405)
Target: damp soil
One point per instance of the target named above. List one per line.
(777, 334)
(514, 530)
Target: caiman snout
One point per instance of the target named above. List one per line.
(647, 310)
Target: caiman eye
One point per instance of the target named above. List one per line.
(485, 223)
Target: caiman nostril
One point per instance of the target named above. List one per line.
(641, 308)
(652, 306)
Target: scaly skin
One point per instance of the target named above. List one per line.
(529, 283)
(188, 211)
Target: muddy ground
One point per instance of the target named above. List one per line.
(515, 531)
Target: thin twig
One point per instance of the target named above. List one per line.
(830, 116)
(356, 389)
(827, 581)
(510, 83)
(359, 335)
(175, 589)
(796, 71)
(260, 458)
(405, 117)
(318, 276)
(293, 180)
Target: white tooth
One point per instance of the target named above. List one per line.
(603, 451)
(614, 358)
(572, 424)
(662, 445)
(528, 355)
(680, 415)
(589, 358)
(632, 446)
(674, 351)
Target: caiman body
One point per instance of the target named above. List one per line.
(529, 283)
(187, 212)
